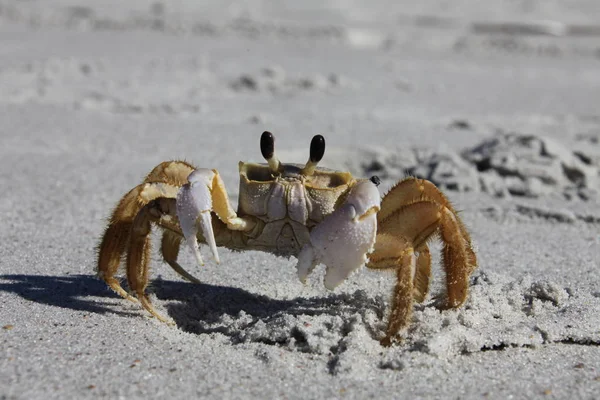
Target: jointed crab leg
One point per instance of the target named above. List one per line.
(111, 250)
(404, 229)
(126, 231)
(116, 238)
(172, 172)
(412, 189)
(138, 259)
(422, 274)
(403, 295)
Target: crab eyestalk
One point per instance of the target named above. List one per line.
(317, 150)
(267, 148)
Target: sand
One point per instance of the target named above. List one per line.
(493, 103)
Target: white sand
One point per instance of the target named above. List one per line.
(93, 97)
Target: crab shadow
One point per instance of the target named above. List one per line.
(205, 309)
(75, 292)
(195, 308)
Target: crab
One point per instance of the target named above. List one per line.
(317, 215)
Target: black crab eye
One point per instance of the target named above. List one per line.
(375, 179)
(267, 145)
(317, 148)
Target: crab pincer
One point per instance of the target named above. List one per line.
(344, 238)
(194, 204)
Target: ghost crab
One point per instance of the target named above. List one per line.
(318, 215)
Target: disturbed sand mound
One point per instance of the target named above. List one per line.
(532, 166)
(500, 313)
(508, 164)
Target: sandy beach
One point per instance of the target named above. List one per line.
(497, 104)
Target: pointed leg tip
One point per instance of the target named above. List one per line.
(164, 320)
(390, 340)
(132, 299)
(145, 301)
(199, 259)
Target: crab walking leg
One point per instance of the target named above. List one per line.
(138, 260)
(389, 249)
(408, 191)
(116, 237)
(169, 249)
(204, 193)
(402, 299)
(114, 241)
(396, 252)
(422, 274)
(412, 189)
(416, 223)
(171, 172)
(344, 238)
(112, 247)
(457, 258)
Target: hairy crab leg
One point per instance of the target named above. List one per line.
(409, 228)
(117, 235)
(413, 189)
(457, 259)
(422, 274)
(138, 260)
(396, 253)
(401, 311)
(112, 247)
(171, 172)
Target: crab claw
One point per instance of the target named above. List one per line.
(194, 204)
(344, 238)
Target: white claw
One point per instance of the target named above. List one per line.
(194, 204)
(306, 262)
(344, 238)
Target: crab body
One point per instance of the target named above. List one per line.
(317, 215)
(287, 206)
